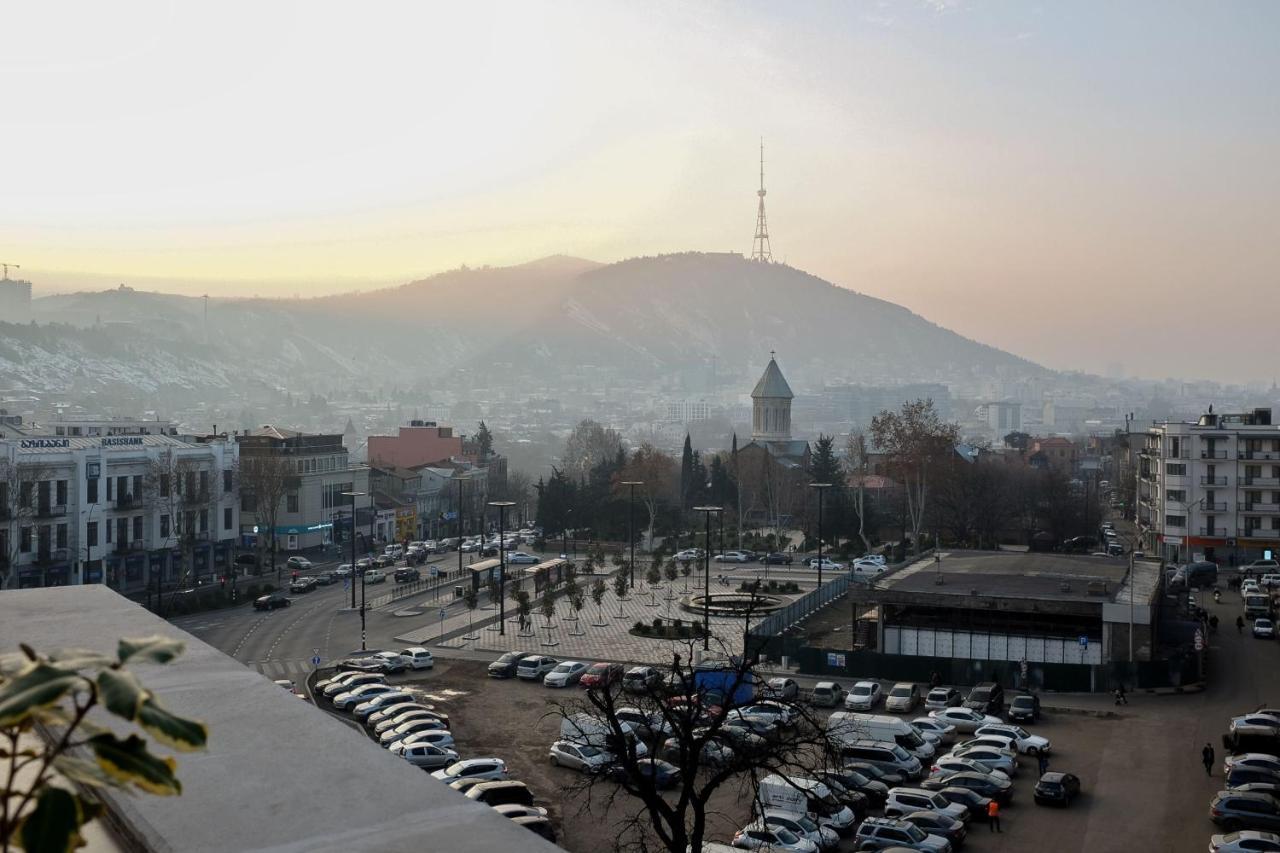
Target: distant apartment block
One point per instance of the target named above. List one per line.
(1211, 487)
(1004, 417)
(419, 443)
(15, 301)
(688, 411)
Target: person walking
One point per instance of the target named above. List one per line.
(1206, 755)
(1043, 762)
(1121, 698)
(1239, 624)
(993, 816)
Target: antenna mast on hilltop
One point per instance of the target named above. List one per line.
(760, 250)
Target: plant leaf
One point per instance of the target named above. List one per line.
(82, 771)
(128, 761)
(80, 659)
(121, 692)
(155, 649)
(170, 729)
(38, 686)
(54, 824)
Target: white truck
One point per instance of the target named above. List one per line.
(799, 795)
(851, 726)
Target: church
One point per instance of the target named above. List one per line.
(771, 468)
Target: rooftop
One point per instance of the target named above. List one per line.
(772, 383)
(279, 774)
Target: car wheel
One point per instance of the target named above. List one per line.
(1232, 825)
(1033, 752)
(555, 762)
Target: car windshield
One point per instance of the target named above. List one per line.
(980, 694)
(1022, 702)
(900, 753)
(564, 667)
(785, 835)
(938, 693)
(806, 824)
(588, 751)
(901, 691)
(914, 832)
(861, 690)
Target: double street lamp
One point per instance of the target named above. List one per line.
(631, 536)
(821, 487)
(706, 577)
(502, 563)
(354, 567)
(459, 481)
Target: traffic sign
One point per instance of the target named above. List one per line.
(315, 660)
(442, 613)
(1084, 642)
(346, 583)
(435, 573)
(1023, 666)
(1199, 640)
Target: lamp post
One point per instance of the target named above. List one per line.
(821, 487)
(459, 481)
(502, 563)
(353, 496)
(631, 536)
(706, 577)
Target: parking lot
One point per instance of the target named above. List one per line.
(1142, 783)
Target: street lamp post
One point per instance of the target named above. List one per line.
(821, 487)
(353, 496)
(459, 481)
(502, 563)
(706, 576)
(631, 536)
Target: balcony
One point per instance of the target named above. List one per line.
(1213, 481)
(1259, 533)
(1260, 482)
(49, 556)
(50, 510)
(134, 547)
(1213, 531)
(124, 502)
(1213, 454)
(1260, 508)
(1257, 454)
(1213, 506)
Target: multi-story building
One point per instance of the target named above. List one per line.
(1211, 488)
(419, 443)
(137, 512)
(317, 472)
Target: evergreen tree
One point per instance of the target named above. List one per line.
(484, 441)
(824, 467)
(686, 474)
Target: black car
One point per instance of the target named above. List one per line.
(325, 578)
(662, 774)
(406, 575)
(302, 585)
(538, 824)
(1057, 789)
(1024, 708)
(1244, 775)
(971, 800)
(986, 697)
(246, 560)
(936, 823)
(871, 771)
(982, 783)
(776, 559)
(875, 792)
(505, 666)
(271, 601)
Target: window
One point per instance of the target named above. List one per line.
(1178, 496)
(108, 528)
(164, 485)
(226, 518)
(92, 490)
(136, 494)
(1175, 521)
(226, 481)
(204, 521)
(91, 533)
(137, 528)
(60, 495)
(1175, 469)
(164, 528)
(204, 483)
(110, 490)
(25, 490)
(60, 536)
(1175, 446)
(24, 541)
(248, 503)
(291, 502)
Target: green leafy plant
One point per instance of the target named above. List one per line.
(56, 694)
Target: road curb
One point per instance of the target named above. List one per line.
(1080, 712)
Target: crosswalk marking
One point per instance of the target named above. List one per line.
(281, 668)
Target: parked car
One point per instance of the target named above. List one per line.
(866, 566)
(406, 731)
(302, 585)
(505, 666)
(395, 719)
(826, 694)
(945, 765)
(407, 575)
(803, 825)
(362, 710)
(601, 675)
(972, 800)
(1264, 629)
(986, 697)
(885, 833)
(325, 578)
(939, 698)
(1024, 708)
(401, 709)
(782, 688)
(876, 792)
(732, 557)
(640, 679)
(782, 713)
(1251, 759)
(1233, 810)
(1057, 789)
(772, 839)
(427, 755)
(435, 737)
(662, 774)
(473, 768)
(1238, 776)
(418, 657)
(936, 730)
(1023, 740)
(512, 810)
(646, 724)
(534, 667)
(298, 564)
(1245, 841)
(964, 719)
(905, 800)
(864, 696)
(903, 697)
(501, 792)
(828, 565)
(776, 558)
(873, 771)
(888, 756)
(942, 825)
(375, 576)
(991, 757)
(363, 693)
(580, 756)
(987, 784)
(340, 684)
(565, 674)
(271, 601)
(518, 557)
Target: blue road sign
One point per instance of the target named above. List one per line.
(346, 583)
(315, 660)
(442, 612)
(1084, 642)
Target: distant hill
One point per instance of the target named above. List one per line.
(641, 318)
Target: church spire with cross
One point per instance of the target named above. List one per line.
(760, 249)
(771, 405)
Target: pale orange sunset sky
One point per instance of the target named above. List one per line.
(1073, 182)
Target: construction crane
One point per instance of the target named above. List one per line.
(6, 269)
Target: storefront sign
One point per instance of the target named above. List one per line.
(122, 441)
(44, 443)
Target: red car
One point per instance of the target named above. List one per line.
(601, 674)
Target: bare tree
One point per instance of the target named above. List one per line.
(857, 462)
(265, 479)
(659, 475)
(587, 446)
(693, 730)
(19, 485)
(180, 489)
(917, 441)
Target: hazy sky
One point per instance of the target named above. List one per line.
(1079, 183)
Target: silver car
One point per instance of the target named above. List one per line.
(580, 756)
(427, 756)
(992, 757)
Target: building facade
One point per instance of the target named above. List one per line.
(137, 512)
(1211, 489)
(419, 443)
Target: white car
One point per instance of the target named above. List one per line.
(801, 824)
(772, 839)
(362, 710)
(936, 730)
(566, 673)
(867, 567)
(436, 737)
(426, 755)
(397, 710)
(363, 693)
(732, 557)
(489, 769)
(522, 557)
(964, 719)
(863, 696)
(688, 555)
(1270, 581)
(580, 756)
(945, 765)
(1264, 628)
(418, 657)
(344, 681)
(406, 731)
(343, 571)
(828, 565)
(388, 723)
(1025, 741)
(993, 757)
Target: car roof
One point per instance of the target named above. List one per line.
(1054, 776)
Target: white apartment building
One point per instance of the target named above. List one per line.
(137, 512)
(1211, 488)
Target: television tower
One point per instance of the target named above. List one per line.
(760, 250)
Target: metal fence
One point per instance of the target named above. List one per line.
(779, 620)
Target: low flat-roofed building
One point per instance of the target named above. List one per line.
(278, 774)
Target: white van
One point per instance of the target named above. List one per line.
(593, 731)
(850, 726)
(798, 795)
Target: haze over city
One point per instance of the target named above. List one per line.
(1069, 182)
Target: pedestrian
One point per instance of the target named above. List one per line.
(935, 680)
(1239, 624)
(1043, 761)
(1206, 755)
(993, 816)
(1121, 698)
